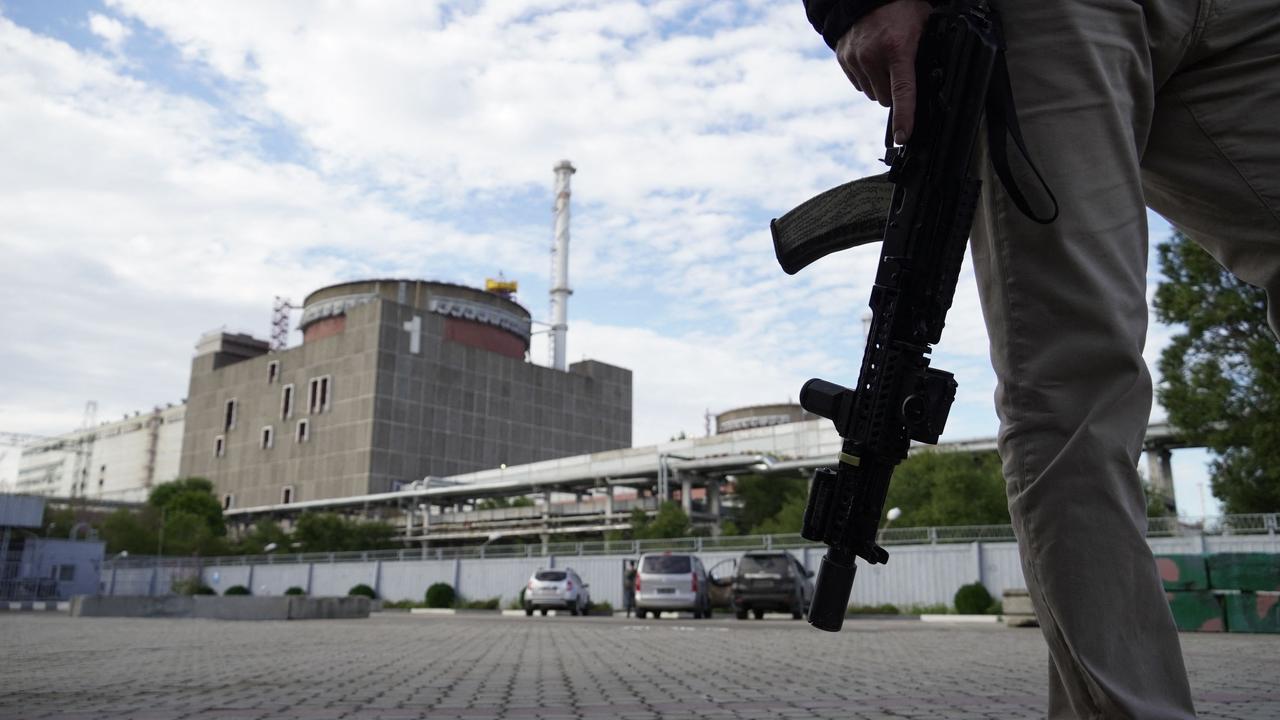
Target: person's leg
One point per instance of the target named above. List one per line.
(1212, 164)
(1065, 306)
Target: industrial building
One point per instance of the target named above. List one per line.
(114, 461)
(395, 380)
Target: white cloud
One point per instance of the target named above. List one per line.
(112, 31)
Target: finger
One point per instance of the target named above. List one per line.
(858, 77)
(902, 88)
(881, 83)
(862, 82)
(853, 79)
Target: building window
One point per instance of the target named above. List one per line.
(268, 438)
(228, 501)
(229, 417)
(286, 495)
(219, 446)
(63, 573)
(318, 392)
(286, 402)
(273, 371)
(304, 431)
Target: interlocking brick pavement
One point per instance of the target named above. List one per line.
(395, 666)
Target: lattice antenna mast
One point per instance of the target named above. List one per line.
(560, 291)
(280, 323)
(83, 448)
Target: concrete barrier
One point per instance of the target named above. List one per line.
(328, 608)
(243, 607)
(213, 607)
(132, 606)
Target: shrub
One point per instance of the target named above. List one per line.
(441, 595)
(603, 607)
(885, 609)
(996, 608)
(364, 590)
(237, 590)
(489, 604)
(192, 586)
(399, 605)
(295, 590)
(973, 599)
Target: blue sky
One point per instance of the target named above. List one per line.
(180, 164)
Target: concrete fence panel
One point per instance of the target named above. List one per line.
(915, 575)
(275, 579)
(339, 578)
(501, 578)
(228, 576)
(1001, 569)
(409, 580)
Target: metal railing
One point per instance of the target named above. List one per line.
(621, 507)
(1257, 524)
(14, 586)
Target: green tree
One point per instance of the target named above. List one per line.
(131, 530)
(327, 532)
(375, 535)
(193, 500)
(788, 519)
(58, 521)
(264, 532)
(1220, 377)
(670, 522)
(761, 497)
(321, 532)
(190, 517)
(937, 488)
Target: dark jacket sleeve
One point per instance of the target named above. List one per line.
(833, 18)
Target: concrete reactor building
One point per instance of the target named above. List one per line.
(755, 416)
(395, 380)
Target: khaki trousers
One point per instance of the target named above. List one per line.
(1172, 104)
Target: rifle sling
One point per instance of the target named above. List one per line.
(1002, 122)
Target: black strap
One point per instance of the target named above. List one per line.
(1002, 121)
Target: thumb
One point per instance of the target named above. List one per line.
(902, 86)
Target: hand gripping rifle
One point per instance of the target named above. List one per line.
(922, 208)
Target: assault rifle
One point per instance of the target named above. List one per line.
(922, 208)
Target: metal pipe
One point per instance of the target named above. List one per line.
(560, 291)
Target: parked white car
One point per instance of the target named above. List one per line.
(556, 589)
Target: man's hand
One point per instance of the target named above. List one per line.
(879, 56)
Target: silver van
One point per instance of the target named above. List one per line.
(672, 582)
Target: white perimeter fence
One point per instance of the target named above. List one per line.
(926, 565)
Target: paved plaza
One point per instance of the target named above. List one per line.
(400, 666)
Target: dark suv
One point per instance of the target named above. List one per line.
(771, 581)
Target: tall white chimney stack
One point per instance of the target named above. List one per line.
(560, 291)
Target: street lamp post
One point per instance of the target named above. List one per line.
(893, 514)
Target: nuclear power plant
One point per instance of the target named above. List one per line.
(396, 380)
